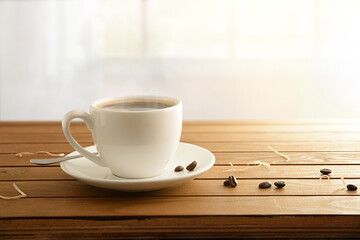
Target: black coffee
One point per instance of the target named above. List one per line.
(137, 106)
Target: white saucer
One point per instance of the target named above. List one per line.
(88, 172)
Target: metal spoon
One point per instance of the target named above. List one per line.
(54, 160)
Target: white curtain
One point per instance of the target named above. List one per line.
(233, 59)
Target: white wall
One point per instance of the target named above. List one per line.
(229, 59)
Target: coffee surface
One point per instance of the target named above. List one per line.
(137, 106)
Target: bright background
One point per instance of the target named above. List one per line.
(226, 59)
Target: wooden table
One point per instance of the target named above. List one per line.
(59, 206)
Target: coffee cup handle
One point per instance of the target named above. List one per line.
(66, 129)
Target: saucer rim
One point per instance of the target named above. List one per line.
(81, 176)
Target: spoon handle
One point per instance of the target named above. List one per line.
(54, 160)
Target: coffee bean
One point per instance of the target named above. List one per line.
(265, 184)
(179, 168)
(191, 166)
(232, 181)
(325, 171)
(351, 187)
(279, 184)
(226, 183)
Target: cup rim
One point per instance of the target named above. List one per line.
(176, 101)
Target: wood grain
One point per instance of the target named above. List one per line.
(31, 147)
(11, 160)
(191, 222)
(34, 137)
(306, 207)
(216, 172)
(78, 127)
(313, 122)
(180, 206)
(32, 173)
(215, 147)
(240, 158)
(280, 146)
(210, 188)
(236, 227)
(270, 128)
(296, 158)
(43, 138)
(270, 137)
(282, 172)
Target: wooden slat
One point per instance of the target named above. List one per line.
(80, 128)
(192, 222)
(211, 122)
(43, 138)
(180, 206)
(274, 122)
(216, 172)
(269, 128)
(36, 123)
(38, 128)
(33, 173)
(213, 147)
(192, 137)
(31, 147)
(11, 160)
(280, 146)
(295, 158)
(210, 188)
(285, 171)
(205, 227)
(240, 158)
(270, 137)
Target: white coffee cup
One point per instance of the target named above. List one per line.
(132, 142)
